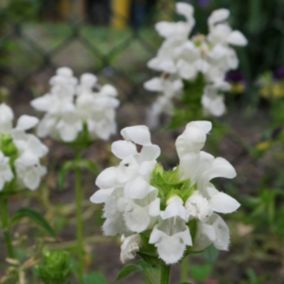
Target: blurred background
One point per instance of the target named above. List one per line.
(114, 39)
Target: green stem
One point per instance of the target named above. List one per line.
(5, 221)
(184, 269)
(165, 273)
(79, 222)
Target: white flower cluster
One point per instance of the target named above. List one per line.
(20, 152)
(142, 199)
(72, 106)
(183, 57)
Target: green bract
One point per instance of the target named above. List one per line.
(169, 183)
(7, 147)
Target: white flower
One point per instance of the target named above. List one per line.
(130, 200)
(71, 105)
(29, 171)
(185, 57)
(129, 247)
(6, 173)
(170, 89)
(28, 150)
(171, 237)
(142, 200)
(221, 32)
(214, 231)
(213, 102)
(97, 108)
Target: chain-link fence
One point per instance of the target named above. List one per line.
(113, 39)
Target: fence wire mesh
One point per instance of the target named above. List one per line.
(113, 39)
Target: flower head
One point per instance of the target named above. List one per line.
(72, 107)
(151, 206)
(186, 57)
(20, 151)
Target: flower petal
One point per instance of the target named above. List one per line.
(137, 188)
(107, 178)
(139, 134)
(237, 38)
(218, 16)
(101, 195)
(224, 203)
(122, 149)
(221, 168)
(26, 122)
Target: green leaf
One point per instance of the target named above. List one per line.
(211, 254)
(128, 270)
(35, 217)
(95, 278)
(201, 272)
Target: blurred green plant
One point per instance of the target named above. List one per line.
(55, 267)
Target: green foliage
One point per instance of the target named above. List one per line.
(266, 212)
(55, 267)
(21, 10)
(189, 106)
(201, 272)
(95, 278)
(35, 217)
(128, 270)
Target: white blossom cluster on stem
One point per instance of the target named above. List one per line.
(171, 211)
(73, 106)
(20, 151)
(183, 57)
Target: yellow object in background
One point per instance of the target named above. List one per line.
(120, 13)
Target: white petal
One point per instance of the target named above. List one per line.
(43, 103)
(107, 178)
(137, 219)
(218, 16)
(222, 241)
(108, 90)
(150, 152)
(237, 38)
(221, 168)
(88, 79)
(154, 208)
(185, 10)
(139, 134)
(101, 195)
(155, 85)
(129, 248)
(224, 203)
(26, 122)
(137, 189)
(122, 149)
(171, 249)
(205, 125)
(174, 208)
